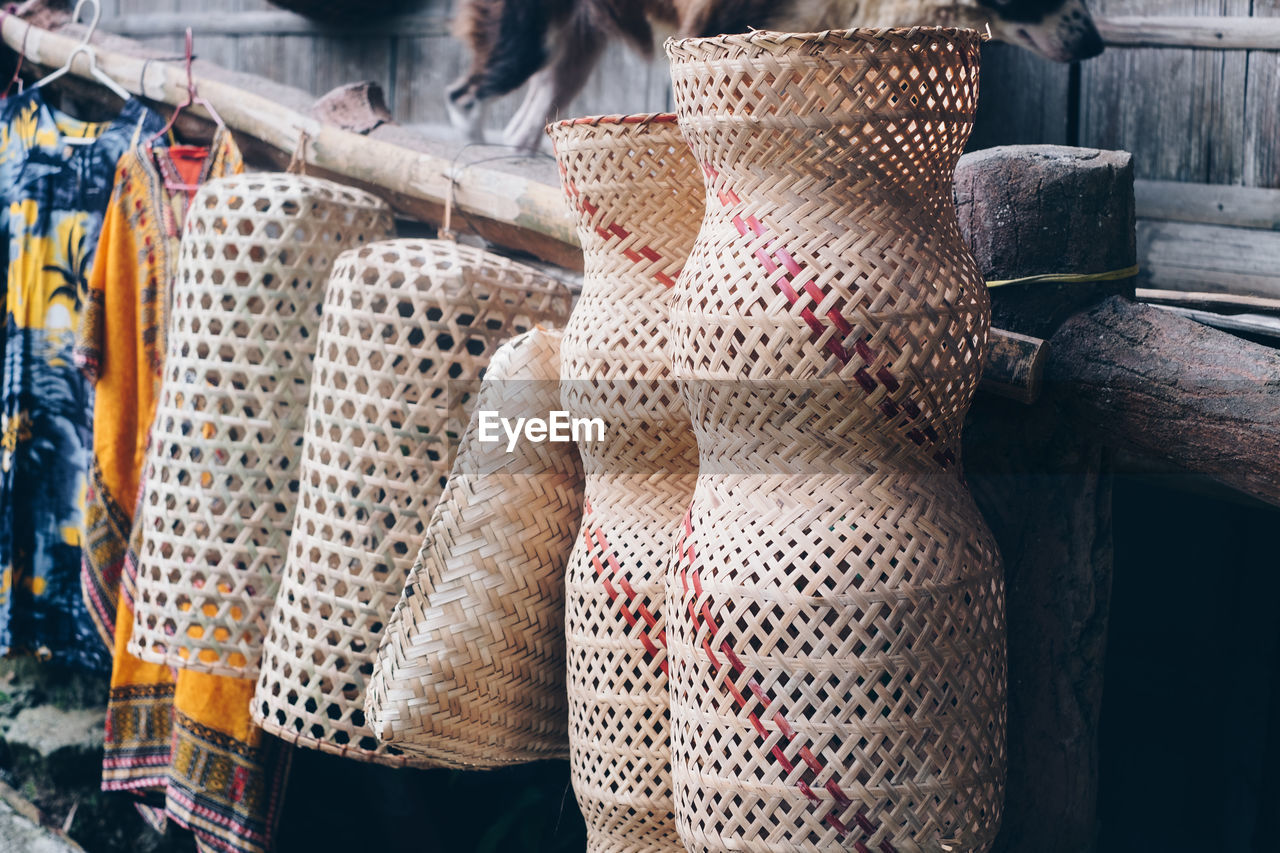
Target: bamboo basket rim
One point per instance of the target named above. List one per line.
(844, 41)
(614, 119)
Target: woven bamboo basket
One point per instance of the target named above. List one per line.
(471, 668)
(635, 190)
(836, 618)
(222, 469)
(409, 327)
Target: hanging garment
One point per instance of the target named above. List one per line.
(185, 737)
(122, 341)
(57, 192)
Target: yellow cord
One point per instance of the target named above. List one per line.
(1069, 278)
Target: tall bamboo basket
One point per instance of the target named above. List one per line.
(222, 472)
(836, 620)
(635, 190)
(471, 668)
(409, 327)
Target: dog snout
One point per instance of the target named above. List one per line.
(1087, 42)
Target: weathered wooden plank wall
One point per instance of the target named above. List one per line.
(1181, 112)
(1206, 118)
(1025, 100)
(413, 64)
(1262, 112)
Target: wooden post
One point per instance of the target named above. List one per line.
(1042, 483)
(1044, 209)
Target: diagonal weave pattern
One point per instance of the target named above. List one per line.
(409, 327)
(836, 621)
(636, 192)
(222, 469)
(471, 668)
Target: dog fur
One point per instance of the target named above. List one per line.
(555, 44)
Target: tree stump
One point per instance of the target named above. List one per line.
(1043, 484)
(1036, 209)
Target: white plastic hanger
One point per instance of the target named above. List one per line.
(87, 49)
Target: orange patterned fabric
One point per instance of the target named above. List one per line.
(182, 735)
(121, 342)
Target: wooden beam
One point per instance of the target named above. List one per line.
(1209, 258)
(1227, 33)
(1221, 303)
(1210, 204)
(1176, 391)
(1164, 476)
(503, 206)
(1258, 326)
(1044, 487)
(269, 23)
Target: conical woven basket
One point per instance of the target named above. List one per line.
(471, 668)
(836, 620)
(223, 466)
(635, 190)
(409, 327)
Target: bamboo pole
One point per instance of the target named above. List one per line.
(1208, 31)
(275, 23)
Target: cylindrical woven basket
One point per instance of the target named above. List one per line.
(635, 190)
(223, 465)
(471, 668)
(409, 327)
(836, 619)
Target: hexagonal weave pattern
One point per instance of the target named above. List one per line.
(222, 470)
(471, 668)
(409, 327)
(836, 619)
(635, 189)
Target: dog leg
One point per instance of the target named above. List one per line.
(525, 129)
(466, 111)
(555, 86)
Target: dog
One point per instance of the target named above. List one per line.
(554, 44)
